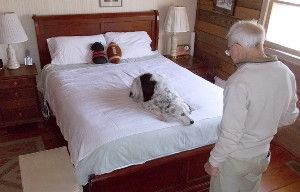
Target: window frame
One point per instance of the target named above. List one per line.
(282, 52)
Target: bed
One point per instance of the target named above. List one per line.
(116, 116)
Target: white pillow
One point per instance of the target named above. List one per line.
(72, 49)
(132, 44)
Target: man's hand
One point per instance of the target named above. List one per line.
(212, 171)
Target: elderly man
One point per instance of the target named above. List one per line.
(258, 98)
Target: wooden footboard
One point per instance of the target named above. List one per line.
(182, 172)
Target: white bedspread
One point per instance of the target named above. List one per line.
(92, 105)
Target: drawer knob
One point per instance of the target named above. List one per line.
(16, 94)
(15, 83)
(20, 114)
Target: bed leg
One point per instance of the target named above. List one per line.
(88, 186)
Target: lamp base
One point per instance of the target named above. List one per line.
(174, 42)
(12, 62)
(13, 66)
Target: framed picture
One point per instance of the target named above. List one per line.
(224, 6)
(110, 3)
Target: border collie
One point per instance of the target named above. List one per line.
(158, 97)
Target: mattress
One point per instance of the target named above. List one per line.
(106, 130)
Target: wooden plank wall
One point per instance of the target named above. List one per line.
(211, 29)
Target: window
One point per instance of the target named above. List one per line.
(282, 26)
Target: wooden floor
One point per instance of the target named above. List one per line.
(283, 174)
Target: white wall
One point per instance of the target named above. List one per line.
(26, 8)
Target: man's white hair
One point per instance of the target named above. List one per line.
(247, 33)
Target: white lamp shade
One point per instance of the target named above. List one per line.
(11, 30)
(177, 20)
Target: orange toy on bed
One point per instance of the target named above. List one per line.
(114, 53)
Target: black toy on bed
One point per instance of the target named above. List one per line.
(98, 53)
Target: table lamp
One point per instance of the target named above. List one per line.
(11, 31)
(176, 22)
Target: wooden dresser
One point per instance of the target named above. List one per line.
(195, 65)
(19, 101)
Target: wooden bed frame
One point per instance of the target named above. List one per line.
(182, 172)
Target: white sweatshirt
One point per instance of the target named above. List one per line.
(258, 98)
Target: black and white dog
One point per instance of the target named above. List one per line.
(158, 97)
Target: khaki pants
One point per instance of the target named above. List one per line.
(240, 175)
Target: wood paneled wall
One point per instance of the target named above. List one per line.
(211, 29)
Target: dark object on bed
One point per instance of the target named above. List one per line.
(174, 173)
(98, 53)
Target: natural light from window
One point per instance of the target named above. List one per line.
(284, 24)
(291, 1)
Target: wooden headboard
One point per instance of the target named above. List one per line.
(47, 26)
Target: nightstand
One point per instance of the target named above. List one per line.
(193, 64)
(19, 103)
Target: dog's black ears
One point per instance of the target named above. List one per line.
(147, 86)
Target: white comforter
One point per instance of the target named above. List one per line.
(92, 105)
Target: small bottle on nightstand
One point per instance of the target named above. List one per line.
(27, 59)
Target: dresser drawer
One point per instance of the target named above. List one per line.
(17, 83)
(22, 103)
(19, 102)
(16, 94)
(20, 114)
